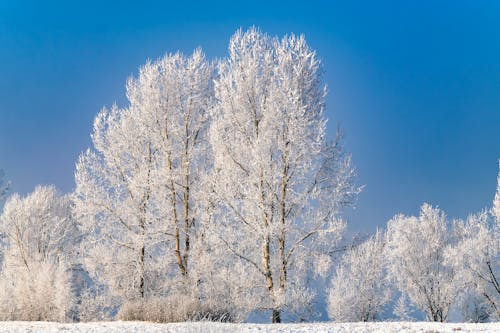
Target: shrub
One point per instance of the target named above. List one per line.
(40, 293)
(175, 308)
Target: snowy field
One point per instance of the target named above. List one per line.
(141, 327)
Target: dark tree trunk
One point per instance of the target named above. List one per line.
(276, 318)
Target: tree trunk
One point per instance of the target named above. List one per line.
(141, 277)
(276, 317)
(173, 203)
(142, 250)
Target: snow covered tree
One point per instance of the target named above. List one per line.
(171, 98)
(416, 256)
(476, 257)
(277, 184)
(112, 198)
(360, 288)
(136, 192)
(39, 236)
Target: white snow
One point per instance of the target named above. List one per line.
(209, 327)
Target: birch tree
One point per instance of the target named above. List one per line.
(360, 288)
(136, 190)
(277, 183)
(416, 252)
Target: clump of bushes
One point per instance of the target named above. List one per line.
(170, 309)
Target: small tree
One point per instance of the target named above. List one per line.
(416, 248)
(476, 255)
(39, 236)
(360, 287)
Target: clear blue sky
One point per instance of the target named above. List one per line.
(414, 84)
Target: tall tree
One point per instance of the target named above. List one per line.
(416, 251)
(136, 191)
(171, 98)
(277, 184)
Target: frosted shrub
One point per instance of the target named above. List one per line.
(175, 308)
(40, 293)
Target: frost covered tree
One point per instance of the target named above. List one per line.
(172, 97)
(112, 198)
(476, 256)
(39, 234)
(277, 183)
(360, 288)
(416, 255)
(136, 191)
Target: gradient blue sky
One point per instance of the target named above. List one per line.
(415, 86)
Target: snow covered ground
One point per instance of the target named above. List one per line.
(141, 327)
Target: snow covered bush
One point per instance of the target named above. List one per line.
(42, 293)
(39, 236)
(360, 288)
(416, 256)
(171, 309)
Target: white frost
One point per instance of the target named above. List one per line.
(209, 327)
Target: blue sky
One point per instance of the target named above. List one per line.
(415, 85)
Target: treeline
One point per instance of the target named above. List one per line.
(216, 194)
(434, 265)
